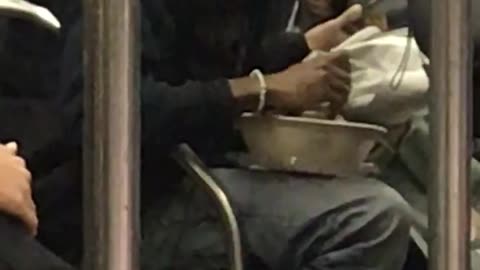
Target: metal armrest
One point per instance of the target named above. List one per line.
(196, 169)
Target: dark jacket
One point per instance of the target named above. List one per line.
(20, 251)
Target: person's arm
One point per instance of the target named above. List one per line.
(18, 220)
(193, 111)
(15, 191)
(170, 114)
(278, 51)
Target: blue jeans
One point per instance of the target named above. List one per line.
(287, 222)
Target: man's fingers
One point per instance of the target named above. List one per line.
(319, 59)
(9, 149)
(338, 95)
(12, 147)
(28, 212)
(22, 207)
(353, 27)
(16, 198)
(19, 161)
(29, 217)
(339, 85)
(339, 59)
(32, 222)
(338, 103)
(338, 78)
(339, 73)
(350, 16)
(339, 68)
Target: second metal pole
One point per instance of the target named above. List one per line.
(111, 146)
(451, 75)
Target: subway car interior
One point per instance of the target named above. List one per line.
(243, 134)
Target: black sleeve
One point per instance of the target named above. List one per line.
(20, 251)
(171, 115)
(270, 47)
(279, 51)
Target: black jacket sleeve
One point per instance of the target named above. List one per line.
(278, 51)
(20, 251)
(170, 115)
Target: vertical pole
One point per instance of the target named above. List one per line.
(451, 73)
(111, 145)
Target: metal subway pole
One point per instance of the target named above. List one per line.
(112, 141)
(451, 73)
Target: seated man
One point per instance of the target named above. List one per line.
(287, 221)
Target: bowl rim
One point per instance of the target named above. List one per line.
(316, 121)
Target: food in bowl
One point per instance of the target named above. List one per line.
(308, 145)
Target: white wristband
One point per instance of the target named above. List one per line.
(263, 89)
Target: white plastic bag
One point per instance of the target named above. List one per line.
(389, 84)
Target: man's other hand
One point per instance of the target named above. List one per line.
(15, 190)
(332, 33)
(305, 86)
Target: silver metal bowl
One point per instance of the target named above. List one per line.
(308, 145)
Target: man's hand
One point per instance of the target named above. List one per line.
(332, 33)
(305, 86)
(15, 191)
